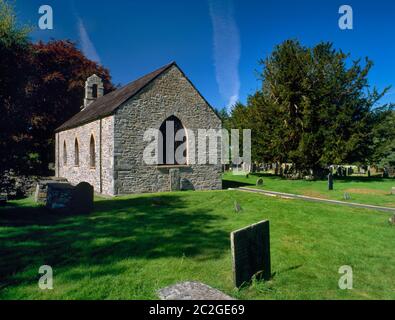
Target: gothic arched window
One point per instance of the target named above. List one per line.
(76, 153)
(92, 152)
(167, 150)
(64, 153)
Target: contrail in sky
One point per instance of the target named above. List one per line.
(226, 50)
(88, 48)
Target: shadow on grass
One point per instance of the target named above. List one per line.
(226, 184)
(142, 227)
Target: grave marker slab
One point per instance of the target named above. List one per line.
(251, 253)
(191, 290)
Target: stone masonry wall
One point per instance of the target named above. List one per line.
(84, 172)
(170, 94)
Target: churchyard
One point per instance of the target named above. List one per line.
(130, 247)
(365, 190)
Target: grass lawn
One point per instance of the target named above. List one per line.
(375, 191)
(131, 246)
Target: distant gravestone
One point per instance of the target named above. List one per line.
(393, 190)
(251, 253)
(174, 179)
(330, 181)
(237, 207)
(346, 196)
(392, 220)
(83, 198)
(259, 182)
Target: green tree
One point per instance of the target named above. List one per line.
(315, 108)
(41, 86)
(14, 68)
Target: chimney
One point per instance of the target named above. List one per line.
(93, 89)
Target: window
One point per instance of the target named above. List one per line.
(64, 153)
(92, 153)
(76, 153)
(94, 91)
(167, 150)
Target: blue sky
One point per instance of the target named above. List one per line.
(217, 43)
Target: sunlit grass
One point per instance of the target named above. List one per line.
(375, 191)
(129, 247)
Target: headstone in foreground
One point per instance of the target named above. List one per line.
(392, 220)
(330, 181)
(251, 253)
(191, 291)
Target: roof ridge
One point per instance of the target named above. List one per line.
(107, 104)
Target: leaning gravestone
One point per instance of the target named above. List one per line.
(251, 253)
(259, 182)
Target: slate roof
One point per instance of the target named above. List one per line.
(107, 104)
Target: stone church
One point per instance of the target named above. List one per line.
(104, 143)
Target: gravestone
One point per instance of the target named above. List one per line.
(64, 197)
(259, 182)
(251, 253)
(40, 194)
(393, 190)
(59, 196)
(191, 290)
(330, 181)
(346, 196)
(174, 179)
(237, 207)
(392, 220)
(82, 198)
